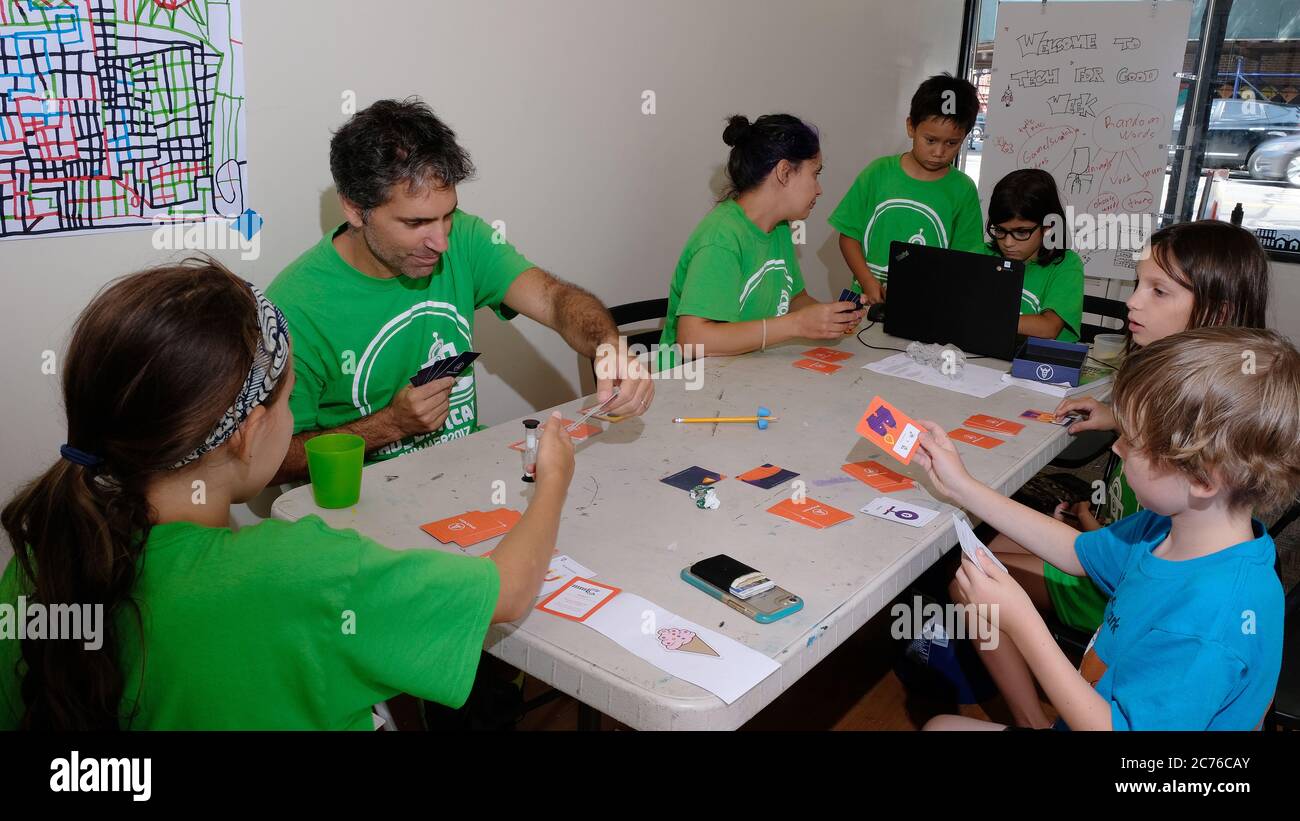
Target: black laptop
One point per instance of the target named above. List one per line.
(954, 298)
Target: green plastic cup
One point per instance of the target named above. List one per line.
(334, 465)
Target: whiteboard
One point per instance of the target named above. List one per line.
(1086, 91)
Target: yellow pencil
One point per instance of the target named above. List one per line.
(724, 418)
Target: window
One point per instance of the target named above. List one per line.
(1245, 148)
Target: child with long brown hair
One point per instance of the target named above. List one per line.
(176, 386)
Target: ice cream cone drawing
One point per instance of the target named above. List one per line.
(679, 638)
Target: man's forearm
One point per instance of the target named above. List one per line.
(582, 320)
(376, 429)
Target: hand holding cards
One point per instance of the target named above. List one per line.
(972, 546)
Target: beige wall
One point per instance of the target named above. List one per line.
(547, 97)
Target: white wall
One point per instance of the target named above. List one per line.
(547, 98)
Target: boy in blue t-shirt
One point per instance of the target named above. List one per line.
(1209, 424)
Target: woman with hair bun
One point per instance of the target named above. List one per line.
(738, 287)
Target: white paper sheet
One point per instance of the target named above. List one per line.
(974, 380)
(682, 648)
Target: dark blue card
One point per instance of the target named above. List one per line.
(692, 476)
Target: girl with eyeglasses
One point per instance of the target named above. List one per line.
(1020, 228)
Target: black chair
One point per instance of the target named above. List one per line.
(1284, 521)
(632, 312)
(1090, 444)
(642, 311)
(1101, 306)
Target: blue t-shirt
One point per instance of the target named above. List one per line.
(1187, 645)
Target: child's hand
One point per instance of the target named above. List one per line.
(941, 461)
(1087, 521)
(1011, 605)
(1099, 414)
(555, 455)
(873, 292)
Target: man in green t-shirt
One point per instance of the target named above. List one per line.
(915, 197)
(395, 288)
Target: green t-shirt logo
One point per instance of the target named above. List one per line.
(387, 356)
(885, 205)
(898, 219)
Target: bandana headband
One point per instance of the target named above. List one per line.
(268, 366)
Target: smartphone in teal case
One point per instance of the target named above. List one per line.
(765, 608)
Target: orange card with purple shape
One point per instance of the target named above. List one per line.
(977, 439)
(890, 429)
(983, 421)
(827, 354)
(817, 365)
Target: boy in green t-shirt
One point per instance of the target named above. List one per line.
(916, 197)
(395, 289)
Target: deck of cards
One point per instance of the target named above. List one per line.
(447, 366)
(972, 546)
(473, 526)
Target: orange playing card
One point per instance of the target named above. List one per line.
(812, 513)
(985, 422)
(759, 473)
(827, 355)
(473, 526)
(877, 475)
(454, 528)
(977, 439)
(890, 429)
(817, 365)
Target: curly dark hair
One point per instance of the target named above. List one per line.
(393, 142)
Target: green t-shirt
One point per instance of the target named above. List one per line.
(286, 626)
(1057, 287)
(731, 271)
(885, 204)
(1121, 501)
(358, 340)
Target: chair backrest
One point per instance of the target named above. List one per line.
(642, 311)
(1101, 306)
